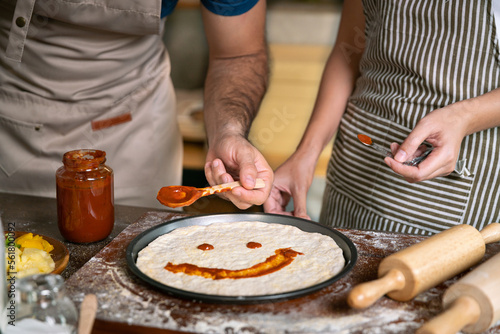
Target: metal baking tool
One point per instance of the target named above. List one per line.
(367, 141)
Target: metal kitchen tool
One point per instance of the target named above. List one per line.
(472, 304)
(461, 169)
(417, 268)
(367, 141)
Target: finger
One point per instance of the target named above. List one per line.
(410, 173)
(419, 151)
(248, 170)
(216, 173)
(245, 198)
(409, 147)
(426, 170)
(304, 216)
(266, 174)
(208, 172)
(300, 204)
(394, 148)
(277, 202)
(280, 212)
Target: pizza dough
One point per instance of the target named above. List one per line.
(234, 248)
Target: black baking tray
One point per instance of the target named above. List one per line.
(143, 239)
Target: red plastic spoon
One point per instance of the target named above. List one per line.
(177, 196)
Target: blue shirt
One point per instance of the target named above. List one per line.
(220, 7)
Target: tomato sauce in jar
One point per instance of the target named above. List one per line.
(85, 198)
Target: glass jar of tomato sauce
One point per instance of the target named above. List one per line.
(85, 199)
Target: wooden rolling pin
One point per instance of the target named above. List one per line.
(88, 310)
(472, 304)
(417, 268)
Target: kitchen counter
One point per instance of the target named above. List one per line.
(39, 215)
(128, 305)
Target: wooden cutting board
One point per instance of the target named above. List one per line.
(126, 304)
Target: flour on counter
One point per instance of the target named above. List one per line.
(125, 298)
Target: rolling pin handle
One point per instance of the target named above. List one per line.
(491, 233)
(88, 311)
(366, 294)
(464, 311)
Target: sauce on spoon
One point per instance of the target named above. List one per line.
(177, 196)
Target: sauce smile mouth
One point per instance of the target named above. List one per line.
(282, 258)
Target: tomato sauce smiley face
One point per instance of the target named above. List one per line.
(281, 258)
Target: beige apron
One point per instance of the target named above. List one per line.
(86, 75)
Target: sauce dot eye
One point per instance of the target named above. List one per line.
(205, 247)
(253, 245)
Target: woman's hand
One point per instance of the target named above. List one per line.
(292, 180)
(444, 129)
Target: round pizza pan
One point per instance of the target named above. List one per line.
(143, 239)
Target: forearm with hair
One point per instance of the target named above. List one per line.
(234, 89)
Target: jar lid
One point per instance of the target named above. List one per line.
(84, 158)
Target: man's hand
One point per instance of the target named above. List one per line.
(234, 158)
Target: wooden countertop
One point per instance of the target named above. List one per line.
(39, 215)
(129, 305)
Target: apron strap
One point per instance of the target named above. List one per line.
(19, 29)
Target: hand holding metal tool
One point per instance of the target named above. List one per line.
(387, 152)
(461, 169)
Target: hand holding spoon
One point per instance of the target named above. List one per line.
(177, 196)
(369, 142)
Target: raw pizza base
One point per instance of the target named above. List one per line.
(322, 258)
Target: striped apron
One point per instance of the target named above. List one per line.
(419, 56)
